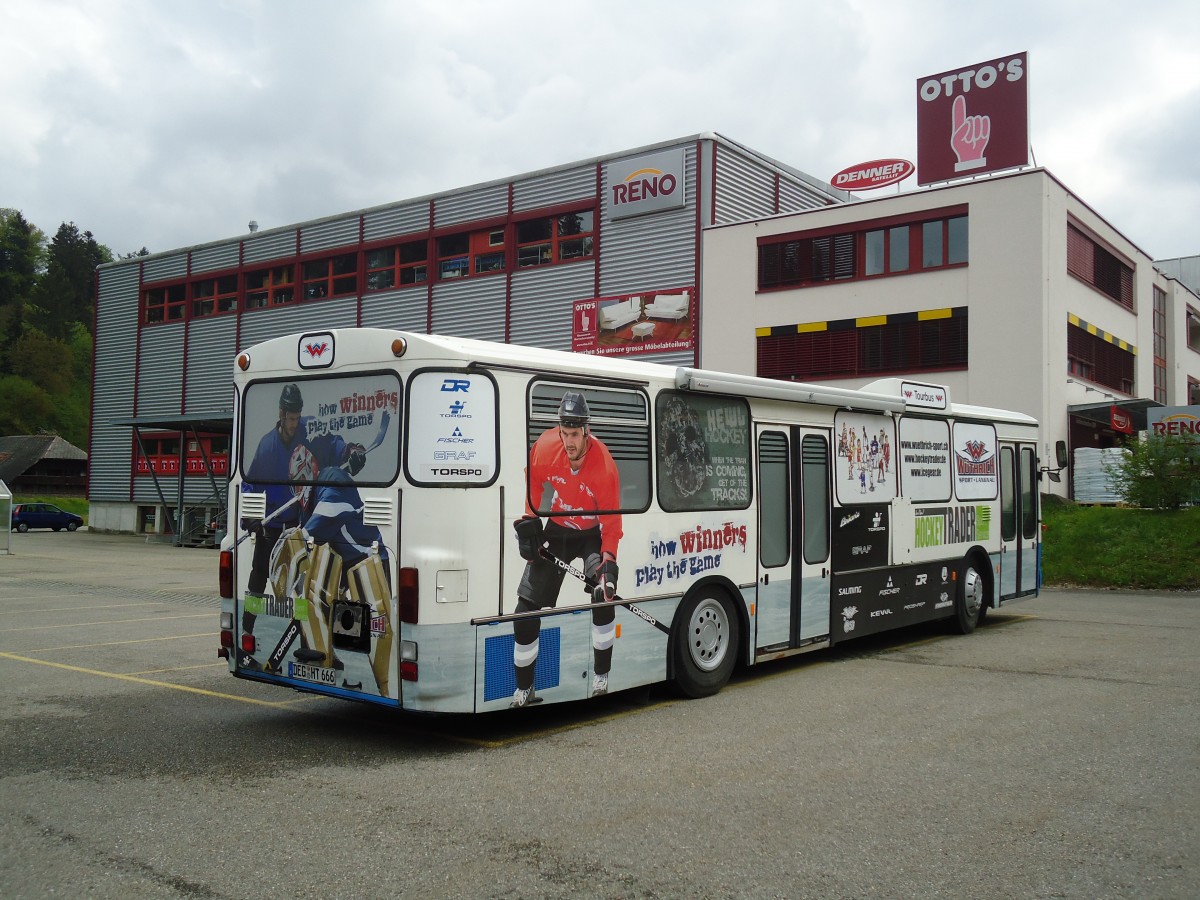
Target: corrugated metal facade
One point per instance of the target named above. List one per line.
(655, 251)
(109, 459)
(212, 345)
(406, 309)
(473, 308)
(395, 221)
(213, 259)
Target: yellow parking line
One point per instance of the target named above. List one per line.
(58, 609)
(136, 680)
(210, 665)
(172, 637)
(207, 615)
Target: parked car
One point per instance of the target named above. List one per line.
(43, 515)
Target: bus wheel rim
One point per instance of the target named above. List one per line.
(972, 591)
(708, 634)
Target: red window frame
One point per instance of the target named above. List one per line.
(403, 264)
(555, 238)
(330, 276)
(840, 254)
(845, 351)
(1098, 266)
(214, 295)
(272, 286)
(164, 303)
(1095, 359)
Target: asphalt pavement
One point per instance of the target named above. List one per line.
(1053, 753)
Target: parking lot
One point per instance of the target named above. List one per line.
(1054, 753)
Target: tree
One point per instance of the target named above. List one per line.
(63, 295)
(1159, 472)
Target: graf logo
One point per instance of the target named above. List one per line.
(316, 351)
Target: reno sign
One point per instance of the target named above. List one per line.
(646, 184)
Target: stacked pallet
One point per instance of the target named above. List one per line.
(1092, 481)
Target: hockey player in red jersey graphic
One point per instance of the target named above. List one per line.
(581, 524)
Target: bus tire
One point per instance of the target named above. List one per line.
(704, 644)
(969, 598)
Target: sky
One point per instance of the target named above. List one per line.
(163, 124)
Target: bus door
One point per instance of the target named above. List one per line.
(1019, 535)
(792, 605)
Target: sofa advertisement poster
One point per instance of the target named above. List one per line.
(635, 324)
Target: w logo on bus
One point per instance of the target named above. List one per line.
(975, 449)
(316, 350)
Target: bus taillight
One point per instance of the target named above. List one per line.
(406, 595)
(225, 575)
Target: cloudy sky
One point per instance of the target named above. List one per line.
(165, 124)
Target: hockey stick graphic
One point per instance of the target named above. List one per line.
(384, 420)
(591, 583)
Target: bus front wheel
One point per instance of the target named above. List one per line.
(969, 599)
(704, 644)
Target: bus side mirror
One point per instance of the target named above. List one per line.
(1060, 453)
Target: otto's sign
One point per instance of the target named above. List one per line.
(875, 174)
(646, 184)
(973, 120)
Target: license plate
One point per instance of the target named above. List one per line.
(312, 673)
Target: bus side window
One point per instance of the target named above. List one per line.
(1008, 496)
(815, 481)
(775, 510)
(1028, 497)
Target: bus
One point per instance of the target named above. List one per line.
(447, 525)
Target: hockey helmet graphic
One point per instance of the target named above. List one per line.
(290, 399)
(573, 410)
(302, 471)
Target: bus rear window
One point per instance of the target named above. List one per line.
(295, 429)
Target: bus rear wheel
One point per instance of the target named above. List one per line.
(704, 644)
(969, 599)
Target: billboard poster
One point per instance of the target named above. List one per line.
(973, 120)
(635, 324)
(877, 600)
(925, 458)
(865, 466)
(976, 471)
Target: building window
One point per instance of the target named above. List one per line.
(333, 277)
(1098, 267)
(1193, 392)
(888, 247)
(845, 351)
(270, 287)
(551, 239)
(402, 264)
(1160, 345)
(1095, 359)
(165, 304)
(1193, 329)
(214, 295)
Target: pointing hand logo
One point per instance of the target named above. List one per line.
(969, 136)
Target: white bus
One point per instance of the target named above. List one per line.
(453, 526)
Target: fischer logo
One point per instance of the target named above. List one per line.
(888, 589)
(456, 437)
(848, 614)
